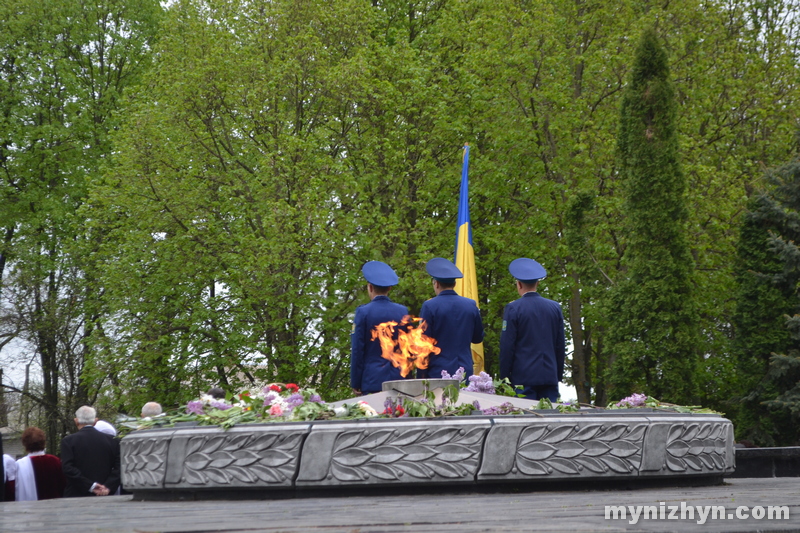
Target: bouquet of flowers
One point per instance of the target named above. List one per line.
(277, 402)
(638, 400)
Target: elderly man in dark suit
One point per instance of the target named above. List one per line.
(90, 458)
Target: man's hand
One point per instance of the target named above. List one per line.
(100, 490)
(357, 392)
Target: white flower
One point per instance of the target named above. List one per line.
(207, 399)
(340, 411)
(367, 409)
(257, 393)
(280, 401)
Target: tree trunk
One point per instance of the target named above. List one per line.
(580, 355)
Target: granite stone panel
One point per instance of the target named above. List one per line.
(525, 448)
(209, 458)
(690, 445)
(263, 456)
(607, 446)
(144, 459)
(391, 452)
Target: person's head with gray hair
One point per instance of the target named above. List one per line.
(85, 416)
(151, 409)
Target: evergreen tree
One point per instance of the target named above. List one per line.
(767, 344)
(765, 295)
(652, 324)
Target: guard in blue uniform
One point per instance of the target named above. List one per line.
(368, 369)
(532, 345)
(453, 320)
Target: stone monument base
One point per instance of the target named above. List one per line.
(452, 453)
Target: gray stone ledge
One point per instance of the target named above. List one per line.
(767, 462)
(456, 451)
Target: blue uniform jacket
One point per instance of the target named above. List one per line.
(455, 322)
(532, 346)
(368, 370)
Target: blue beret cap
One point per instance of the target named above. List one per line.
(526, 270)
(379, 273)
(443, 270)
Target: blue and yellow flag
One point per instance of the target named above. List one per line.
(465, 256)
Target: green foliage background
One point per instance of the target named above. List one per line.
(213, 210)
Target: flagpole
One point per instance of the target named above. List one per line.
(465, 254)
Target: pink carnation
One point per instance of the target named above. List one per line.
(276, 410)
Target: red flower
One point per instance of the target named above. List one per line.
(387, 411)
(292, 387)
(400, 411)
(276, 388)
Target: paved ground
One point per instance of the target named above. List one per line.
(541, 511)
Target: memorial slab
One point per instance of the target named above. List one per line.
(420, 452)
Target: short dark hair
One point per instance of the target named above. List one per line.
(530, 285)
(380, 289)
(33, 439)
(216, 392)
(446, 285)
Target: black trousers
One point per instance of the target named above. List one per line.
(541, 391)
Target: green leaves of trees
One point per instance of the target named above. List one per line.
(63, 68)
(273, 147)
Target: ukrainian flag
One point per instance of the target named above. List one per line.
(465, 256)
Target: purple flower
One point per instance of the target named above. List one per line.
(316, 398)
(476, 405)
(481, 383)
(458, 376)
(222, 406)
(504, 409)
(294, 400)
(270, 397)
(194, 408)
(634, 400)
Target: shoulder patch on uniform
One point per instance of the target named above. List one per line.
(353, 329)
(504, 325)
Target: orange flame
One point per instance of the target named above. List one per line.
(412, 347)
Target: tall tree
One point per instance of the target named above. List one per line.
(230, 208)
(653, 321)
(767, 344)
(63, 69)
